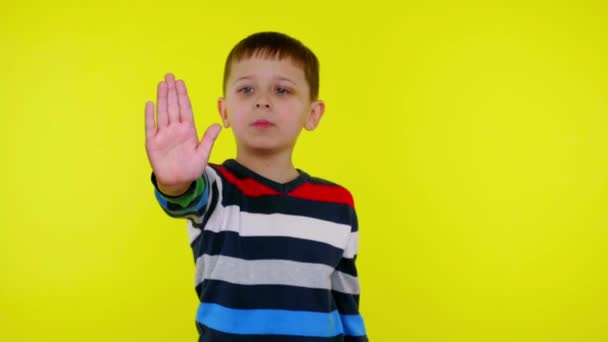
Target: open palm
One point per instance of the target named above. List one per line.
(174, 151)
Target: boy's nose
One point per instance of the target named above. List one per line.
(262, 105)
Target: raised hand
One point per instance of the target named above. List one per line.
(174, 151)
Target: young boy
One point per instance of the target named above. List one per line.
(274, 247)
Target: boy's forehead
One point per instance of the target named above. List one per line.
(254, 67)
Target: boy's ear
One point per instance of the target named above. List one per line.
(317, 108)
(223, 110)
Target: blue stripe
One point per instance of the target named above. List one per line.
(160, 199)
(353, 325)
(270, 322)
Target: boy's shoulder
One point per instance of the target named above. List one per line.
(306, 186)
(323, 181)
(333, 190)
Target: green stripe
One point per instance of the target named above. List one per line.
(187, 199)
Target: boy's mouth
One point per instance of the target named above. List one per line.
(262, 123)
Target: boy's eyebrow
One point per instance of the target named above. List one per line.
(285, 79)
(242, 78)
(280, 78)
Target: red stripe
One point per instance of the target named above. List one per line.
(248, 186)
(323, 193)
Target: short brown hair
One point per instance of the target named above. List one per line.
(276, 45)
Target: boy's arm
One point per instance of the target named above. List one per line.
(191, 202)
(346, 290)
(178, 159)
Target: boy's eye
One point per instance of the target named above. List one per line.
(282, 91)
(245, 90)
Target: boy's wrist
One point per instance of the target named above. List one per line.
(174, 191)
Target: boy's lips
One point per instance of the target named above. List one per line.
(262, 123)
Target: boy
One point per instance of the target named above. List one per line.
(274, 247)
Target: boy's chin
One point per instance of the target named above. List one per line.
(263, 147)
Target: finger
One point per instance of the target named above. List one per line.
(185, 107)
(172, 105)
(161, 105)
(204, 148)
(150, 124)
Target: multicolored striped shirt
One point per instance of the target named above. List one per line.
(274, 261)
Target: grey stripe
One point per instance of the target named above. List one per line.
(345, 283)
(275, 272)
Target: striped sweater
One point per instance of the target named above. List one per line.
(274, 262)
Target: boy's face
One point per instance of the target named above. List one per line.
(267, 103)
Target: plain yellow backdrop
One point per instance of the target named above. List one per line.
(473, 135)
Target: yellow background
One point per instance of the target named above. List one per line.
(473, 136)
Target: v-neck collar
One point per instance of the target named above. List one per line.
(243, 172)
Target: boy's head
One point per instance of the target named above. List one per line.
(275, 45)
(271, 85)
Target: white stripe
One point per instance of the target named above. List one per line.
(302, 227)
(352, 246)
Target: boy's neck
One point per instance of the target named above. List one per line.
(277, 167)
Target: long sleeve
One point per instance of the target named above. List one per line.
(192, 202)
(346, 289)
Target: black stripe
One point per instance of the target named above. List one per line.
(280, 297)
(210, 335)
(328, 211)
(321, 181)
(231, 244)
(356, 339)
(347, 304)
(347, 266)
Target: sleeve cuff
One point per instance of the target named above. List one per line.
(196, 188)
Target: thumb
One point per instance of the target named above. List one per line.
(206, 144)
